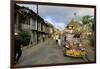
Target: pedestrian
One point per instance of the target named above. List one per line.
(56, 38)
(43, 38)
(17, 48)
(59, 41)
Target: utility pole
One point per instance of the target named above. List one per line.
(37, 23)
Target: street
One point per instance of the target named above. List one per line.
(46, 53)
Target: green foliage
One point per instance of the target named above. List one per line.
(86, 19)
(91, 39)
(25, 38)
(84, 28)
(87, 23)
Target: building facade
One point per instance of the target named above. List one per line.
(29, 21)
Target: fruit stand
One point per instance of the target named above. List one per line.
(74, 49)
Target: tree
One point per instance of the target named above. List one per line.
(86, 19)
(25, 35)
(87, 22)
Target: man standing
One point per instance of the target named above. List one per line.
(56, 37)
(17, 47)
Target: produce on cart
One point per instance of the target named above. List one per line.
(75, 49)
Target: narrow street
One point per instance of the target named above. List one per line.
(41, 34)
(45, 53)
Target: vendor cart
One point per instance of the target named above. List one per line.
(73, 49)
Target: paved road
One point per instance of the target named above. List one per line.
(45, 53)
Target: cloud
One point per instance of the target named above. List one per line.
(85, 11)
(59, 16)
(58, 25)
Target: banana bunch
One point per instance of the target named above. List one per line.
(69, 52)
(75, 53)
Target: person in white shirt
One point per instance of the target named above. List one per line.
(59, 42)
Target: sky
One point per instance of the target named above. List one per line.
(59, 16)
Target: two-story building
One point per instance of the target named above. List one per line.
(27, 20)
